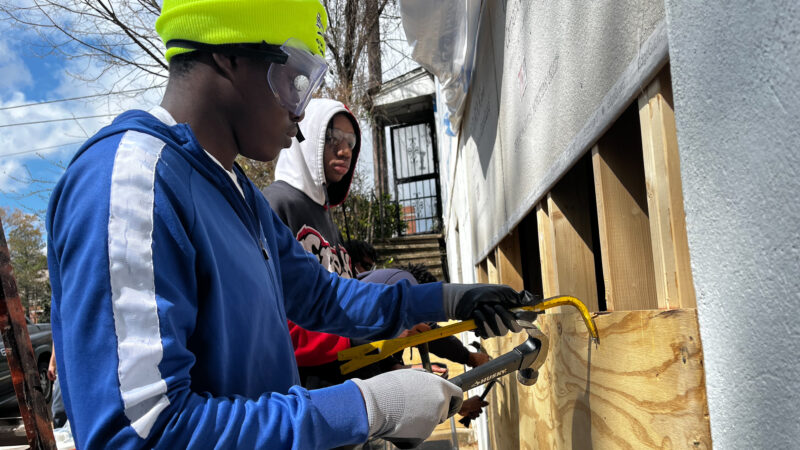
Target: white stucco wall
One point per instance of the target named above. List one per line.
(735, 68)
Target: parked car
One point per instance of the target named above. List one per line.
(42, 341)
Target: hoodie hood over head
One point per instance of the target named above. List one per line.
(301, 165)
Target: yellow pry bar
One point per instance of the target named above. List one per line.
(358, 357)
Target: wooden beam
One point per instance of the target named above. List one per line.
(674, 285)
(642, 387)
(529, 250)
(623, 223)
(509, 261)
(491, 268)
(547, 251)
(569, 211)
(21, 361)
(481, 272)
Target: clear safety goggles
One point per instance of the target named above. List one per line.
(293, 76)
(294, 81)
(336, 136)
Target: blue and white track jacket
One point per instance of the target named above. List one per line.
(171, 293)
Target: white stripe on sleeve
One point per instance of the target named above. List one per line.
(133, 293)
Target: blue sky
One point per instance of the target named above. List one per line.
(32, 157)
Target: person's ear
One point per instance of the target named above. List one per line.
(226, 65)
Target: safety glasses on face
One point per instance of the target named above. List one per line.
(335, 136)
(294, 81)
(293, 76)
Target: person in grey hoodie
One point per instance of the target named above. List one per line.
(311, 177)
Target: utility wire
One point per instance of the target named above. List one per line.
(34, 150)
(76, 98)
(56, 120)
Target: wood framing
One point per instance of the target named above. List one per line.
(509, 261)
(643, 386)
(547, 250)
(569, 214)
(528, 233)
(674, 285)
(491, 268)
(504, 413)
(623, 223)
(481, 273)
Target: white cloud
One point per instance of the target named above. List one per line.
(12, 70)
(7, 171)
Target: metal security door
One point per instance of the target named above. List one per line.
(416, 174)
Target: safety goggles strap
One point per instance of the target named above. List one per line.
(272, 53)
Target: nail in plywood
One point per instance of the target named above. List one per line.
(623, 223)
(569, 211)
(674, 285)
(642, 387)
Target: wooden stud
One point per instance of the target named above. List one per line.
(623, 224)
(642, 387)
(529, 251)
(547, 250)
(491, 268)
(481, 273)
(569, 211)
(674, 285)
(509, 261)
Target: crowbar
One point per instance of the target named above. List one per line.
(364, 355)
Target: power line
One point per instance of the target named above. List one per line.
(34, 150)
(45, 102)
(56, 120)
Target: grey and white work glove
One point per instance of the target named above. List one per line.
(404, 406)
(487, 304)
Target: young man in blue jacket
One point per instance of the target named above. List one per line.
(173, 279)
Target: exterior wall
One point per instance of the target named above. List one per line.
(548, 82)
(737, 102)
(549, 79)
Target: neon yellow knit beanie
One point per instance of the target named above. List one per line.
(242, 22)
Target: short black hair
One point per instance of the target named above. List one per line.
(181, 64)
(420, 273)
(359, 251)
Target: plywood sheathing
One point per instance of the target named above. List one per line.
(643, 387)
(674, 285)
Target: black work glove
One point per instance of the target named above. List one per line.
(487, 304)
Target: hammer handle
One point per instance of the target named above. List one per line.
(492, 370)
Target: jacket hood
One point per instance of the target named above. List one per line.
(301, 164)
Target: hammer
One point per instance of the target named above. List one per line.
(525, 359)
